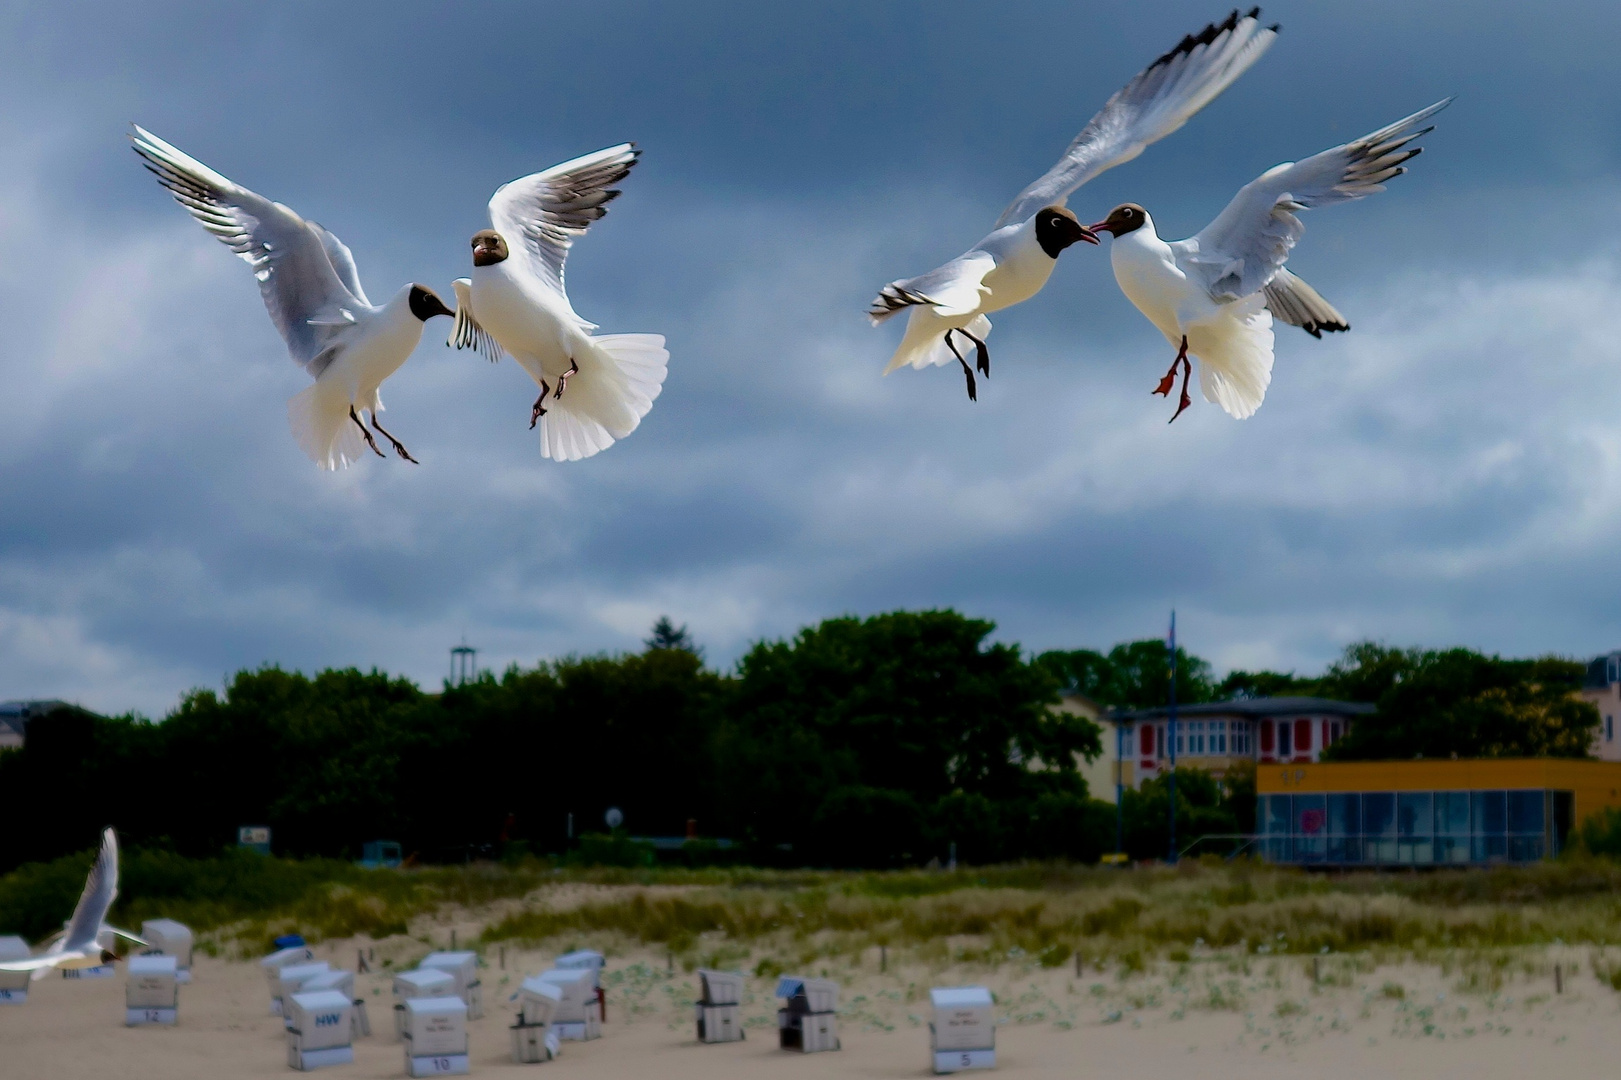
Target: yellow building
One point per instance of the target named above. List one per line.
(1427, 812)
(1100, 772)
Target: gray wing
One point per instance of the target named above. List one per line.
(1162, 98)
(100, 890)
(308, 296)
(1292, 301)
(1239, 252)
(342, 260)
(550, 209)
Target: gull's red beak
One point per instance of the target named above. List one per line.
(1089, 233)
(1097, 228)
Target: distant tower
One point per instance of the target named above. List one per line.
(463, 663)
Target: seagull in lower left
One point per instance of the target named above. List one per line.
(312, 290)
(85, 942)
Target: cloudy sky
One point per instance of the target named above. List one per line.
(1448, 472)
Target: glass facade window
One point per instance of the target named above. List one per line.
(1415, 828)
(1488, 825)
(1526, 814)
(1240, 735)
(1451, 826)
(1379, 827)
(1311, 827)
(1277, 837)
(1285, 739)
(1345, 828)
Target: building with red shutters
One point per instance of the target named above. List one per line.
(1214, 736)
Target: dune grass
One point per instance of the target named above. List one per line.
(1047, 914)
(1054, 912)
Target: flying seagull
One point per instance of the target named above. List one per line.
(81, 944)
(1013, 263)
(1214, 295)
(312, 291)
(593, 389)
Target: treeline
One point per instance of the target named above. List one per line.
(861, 742)
(886, 741)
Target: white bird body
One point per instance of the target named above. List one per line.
(311, 288)
(1233, 340)
(1014, 262)
(369, 350)
(1214, 295)
(1018, 269)
(535, 325)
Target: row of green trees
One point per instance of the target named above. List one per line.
(874, 742)
(1430, 702)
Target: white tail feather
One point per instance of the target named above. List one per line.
(319, 418)
(1235, 355)
(606, 400)
(924, 344)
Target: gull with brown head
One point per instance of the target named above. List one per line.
(1214, 295)
(594, 389)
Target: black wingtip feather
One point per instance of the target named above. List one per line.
(1204, 37)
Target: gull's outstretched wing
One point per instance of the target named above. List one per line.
(306, 276)
(952, 289)
(550, 209)
(100, 890)
(1238, 253)
(342, 260)
(1162, 98)
(36, 964)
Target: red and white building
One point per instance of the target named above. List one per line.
(1216, 735)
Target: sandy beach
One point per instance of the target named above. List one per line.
(1224, 1015)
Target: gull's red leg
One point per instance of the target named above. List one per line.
(1166, 383)
(1187, 372)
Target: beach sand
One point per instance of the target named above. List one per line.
(1219, 1015)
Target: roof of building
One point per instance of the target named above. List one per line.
(1252, 708)
(1599, 670)
(14, 715)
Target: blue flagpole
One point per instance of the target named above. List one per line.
(1171, 739)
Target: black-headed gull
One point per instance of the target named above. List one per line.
(312, 291)
(593, 390)
(1214, 295)
(1014, 262)
(81, 945)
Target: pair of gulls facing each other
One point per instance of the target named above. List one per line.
(86, 941)
(1213, 295)
(593, 389)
